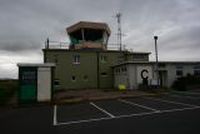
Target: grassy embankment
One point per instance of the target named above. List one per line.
(7, 89)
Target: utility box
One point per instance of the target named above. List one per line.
(35, 82)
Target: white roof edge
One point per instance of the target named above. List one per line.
(153, 62)
(187, 62)
(36, 64)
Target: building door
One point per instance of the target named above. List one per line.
(28, 84)
(44, 84)
(163, 78)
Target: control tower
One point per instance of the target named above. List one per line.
(88, 35)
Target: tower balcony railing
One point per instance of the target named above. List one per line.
(57, 45)
(66, 45)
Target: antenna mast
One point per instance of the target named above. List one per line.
(119, 34)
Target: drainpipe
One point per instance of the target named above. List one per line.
(98, 79)
(156, 53)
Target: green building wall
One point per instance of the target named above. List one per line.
(94, 71)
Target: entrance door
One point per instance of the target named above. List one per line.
(163, 78)
(44, 84)
(28, 84)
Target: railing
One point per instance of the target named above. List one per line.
(65, 45)
(57, 45)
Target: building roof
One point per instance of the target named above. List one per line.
(36, 65)
(153, 62)
(177, 62)
(131, 62)
(96, 50)
(90, 25)
(135, 52)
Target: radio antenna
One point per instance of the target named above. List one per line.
(119, 33)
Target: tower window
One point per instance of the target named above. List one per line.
(85, 77)
(103, 58)
(57, 82)
(76, 59)
(104, 74)
(73, 78)
(56, 59)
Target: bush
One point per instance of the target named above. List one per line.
(183, 83)
(7, 89)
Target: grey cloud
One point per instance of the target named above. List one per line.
(21, 45)
(25, 24)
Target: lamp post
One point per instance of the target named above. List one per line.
(156, 53)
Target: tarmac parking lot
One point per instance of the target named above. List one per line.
(176, 112)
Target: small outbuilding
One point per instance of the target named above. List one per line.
(132, 74)
(35, 82)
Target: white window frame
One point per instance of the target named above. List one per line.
(76, 59)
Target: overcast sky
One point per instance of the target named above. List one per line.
(25, 24)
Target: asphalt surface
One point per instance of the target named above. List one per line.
(173, 113)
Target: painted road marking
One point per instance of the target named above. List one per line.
(172, 102)
(102, 110)
(181, 109)
(181, 96)
(55, 115)
(135, 104)
(125, 116)
(83, 121)
(187, 93)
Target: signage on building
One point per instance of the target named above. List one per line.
(144, 74)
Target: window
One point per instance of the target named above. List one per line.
(197, 72)
(76, 59)
(103, 58)
(179, 72)
(55, 59)
(197, 67)
(117, 70)
(123, 69)
(85, 78)
(140, 57)
(104, 74)
(73, 78)
(56, 82)
(162, 65)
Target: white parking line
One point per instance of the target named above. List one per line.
(181, 109)
(135, 104)
(125, 116)
(172, 102)
(186, 92)
(181, 96)
(55, 115)
(105, 118)
(102, 110)
(82, 121)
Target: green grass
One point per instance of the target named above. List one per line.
(7, 90)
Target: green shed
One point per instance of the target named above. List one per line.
(35, 82)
